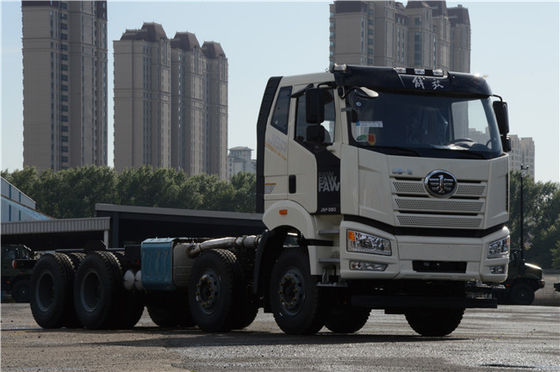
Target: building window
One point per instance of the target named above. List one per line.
(417, 21)
(64, 119)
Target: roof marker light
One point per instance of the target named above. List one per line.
(419, 71)
(400, 70)
(438, 72)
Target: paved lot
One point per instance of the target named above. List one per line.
(511, 338)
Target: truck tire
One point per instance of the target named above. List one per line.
(77, 259)
(96, 291)
(212, 290)
(130, 304)
(20, 291)
(51, 291)
(295, 298)
(521, 293)
(346, 319)
(170, 309)
(72, 263)
(434, 322)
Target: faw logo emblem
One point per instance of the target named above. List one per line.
(328, 182)
(440, 183)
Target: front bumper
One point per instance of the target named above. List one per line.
(443, 258)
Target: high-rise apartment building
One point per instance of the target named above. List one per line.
(239, 160)
(522, 153)
(64, 83)
(142, 98)
(217, 100)
(170, 102)
(422, 34)
(188, 104)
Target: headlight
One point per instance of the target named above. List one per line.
(498, 248)
(367, 243)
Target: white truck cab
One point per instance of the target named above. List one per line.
(387, 174)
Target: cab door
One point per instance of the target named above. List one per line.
(276, 148)
(313, 171)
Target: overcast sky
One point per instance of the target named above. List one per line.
(515, 44)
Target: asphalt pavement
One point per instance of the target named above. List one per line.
(511, 338)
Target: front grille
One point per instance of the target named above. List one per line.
(439, 267)
(415, 207)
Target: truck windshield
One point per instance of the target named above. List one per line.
(422, 125)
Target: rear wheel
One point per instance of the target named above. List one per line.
(96, 290)
(20, 291)
(434, 322)
(51, 291)
(346, 319)
(212, 290)
(295, 298)
(129, 307)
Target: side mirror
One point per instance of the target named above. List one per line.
(506, 144)
(314, 106)
(501, 112)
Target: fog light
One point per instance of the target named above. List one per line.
(498, 248)
(498, 269)
(367, 266)
(366, 243)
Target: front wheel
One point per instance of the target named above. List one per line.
(295, 298)
(434, 322)
(346, 319)
(213, 290)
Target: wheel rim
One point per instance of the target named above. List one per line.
(45, 291)
(291, 291)
(208, 291)
(91, 291)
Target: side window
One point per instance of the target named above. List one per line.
(282, 110)
(328, 125)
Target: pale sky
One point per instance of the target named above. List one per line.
(515, 44)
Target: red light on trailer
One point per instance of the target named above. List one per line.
(283, 212)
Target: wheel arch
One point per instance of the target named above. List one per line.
(268, 251)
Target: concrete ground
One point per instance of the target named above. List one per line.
(511, 338)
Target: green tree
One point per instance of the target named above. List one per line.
(541, 209)
(244, 196)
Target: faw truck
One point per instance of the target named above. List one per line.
(380, 188)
